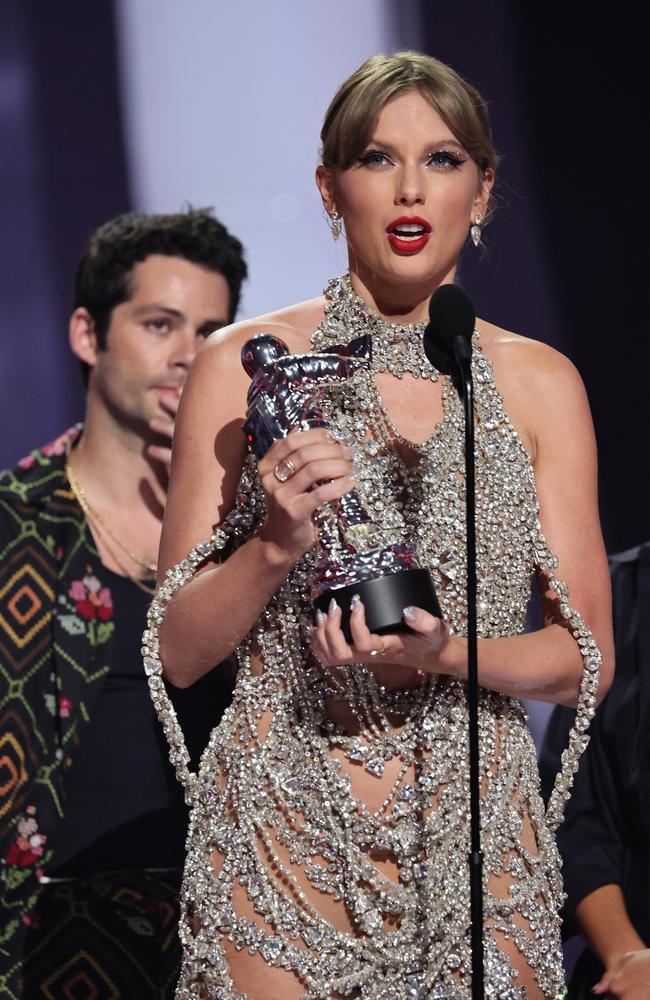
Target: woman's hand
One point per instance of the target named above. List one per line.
(420, 649)
(627, 978)
(299, 473)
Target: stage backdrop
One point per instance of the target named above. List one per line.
(154, 105)
(62, 173)
(151, 105)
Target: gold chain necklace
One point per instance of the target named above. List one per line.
(103, 530)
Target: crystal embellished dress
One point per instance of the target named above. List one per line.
(274, 796)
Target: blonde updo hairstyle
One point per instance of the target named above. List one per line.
(353, 112)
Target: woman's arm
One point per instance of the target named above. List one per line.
(210, 616)
(548, 393)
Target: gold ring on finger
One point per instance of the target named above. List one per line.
(381, 650)
(284, 470)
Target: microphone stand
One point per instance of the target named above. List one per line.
(465, 385)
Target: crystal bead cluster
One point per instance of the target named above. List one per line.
(273, 798)
(396, 347)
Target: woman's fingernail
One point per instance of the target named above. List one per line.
(355, 603)
(320, 617)
(332, 607)
(409, 614)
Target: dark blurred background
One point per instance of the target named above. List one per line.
(113, 105)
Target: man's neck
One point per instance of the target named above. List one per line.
(111, 462)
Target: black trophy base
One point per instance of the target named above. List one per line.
(384, 599)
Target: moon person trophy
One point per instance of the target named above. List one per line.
(294, 392)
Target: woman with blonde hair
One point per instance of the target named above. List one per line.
(329, 833)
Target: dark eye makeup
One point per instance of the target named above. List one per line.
(447, 158)
(443, 158)
(374, 157)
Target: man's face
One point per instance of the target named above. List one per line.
(153, 337)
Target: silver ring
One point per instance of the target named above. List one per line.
(284, 470)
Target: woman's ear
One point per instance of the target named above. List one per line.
(325, 181)
(482, 200)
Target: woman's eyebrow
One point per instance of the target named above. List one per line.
(434, 144)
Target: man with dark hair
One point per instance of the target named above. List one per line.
(105, 271)
(92, 820)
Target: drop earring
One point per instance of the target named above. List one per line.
(336, 224)
(475, 230)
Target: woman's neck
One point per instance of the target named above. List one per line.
(396, 301)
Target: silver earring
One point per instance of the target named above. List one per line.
(336, 224)
(475, 230)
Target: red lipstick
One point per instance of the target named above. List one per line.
(408, 234)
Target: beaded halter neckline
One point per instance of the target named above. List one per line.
(396, 347)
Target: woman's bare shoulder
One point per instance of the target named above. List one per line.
(294, 324)
(218, 365)
(541, 388)
(525, 364)
(208, 432)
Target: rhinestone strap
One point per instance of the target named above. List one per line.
(235, 528)
(174, 579)
(586, 707)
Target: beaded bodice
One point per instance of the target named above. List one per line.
(287, 791)
(426, 503)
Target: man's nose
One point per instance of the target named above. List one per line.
(185, 349)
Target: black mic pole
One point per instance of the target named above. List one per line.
(475, 855)
(449, 332)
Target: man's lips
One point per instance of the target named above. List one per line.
(408, 234)
(176, 389)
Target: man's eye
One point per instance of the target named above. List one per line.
(158, 325)
(205, 331)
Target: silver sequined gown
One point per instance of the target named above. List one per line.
(258, 790)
